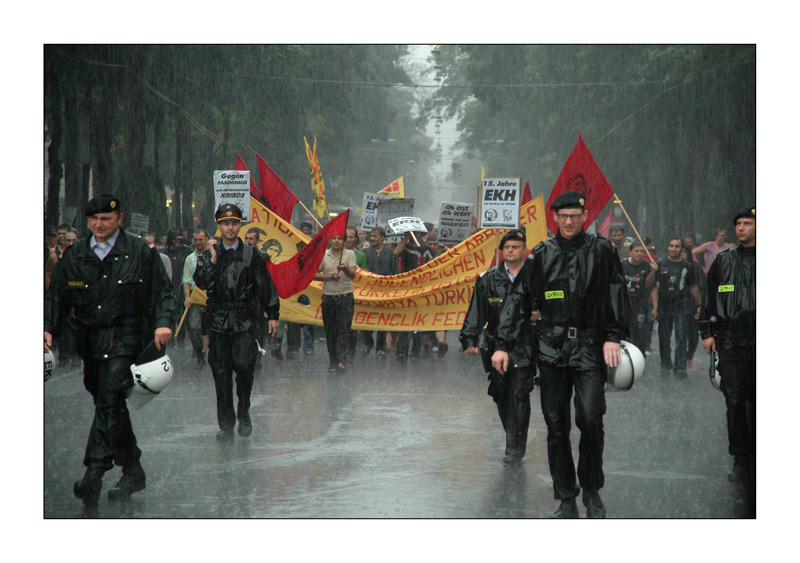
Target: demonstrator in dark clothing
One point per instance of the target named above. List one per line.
(578, 288)
(673, 295)
(728, 326)
(240, 292)
(639, 276)
(511, 390)
(114, 293)
(412, 256)
(381, 260)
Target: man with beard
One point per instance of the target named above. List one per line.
(510, 390)
(728, 326)
(576, 284)
(114, 293)
(673, 295)
(240, 291)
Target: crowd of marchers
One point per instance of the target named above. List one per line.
(557, 317)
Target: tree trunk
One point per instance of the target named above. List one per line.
(72, 187)
(54, 164)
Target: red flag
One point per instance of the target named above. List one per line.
(581, 173)
(526, 195)
(605, 225)
(240, 165)
(274, 193)
(294, 275)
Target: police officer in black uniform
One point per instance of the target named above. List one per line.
(728, 326)
(240, 291)
(510, 391)
(578, 287)
(115, 294)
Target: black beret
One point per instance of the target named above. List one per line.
(513, 234)
(746, 213)
(570, 198)
(102, 203)
(228, 211)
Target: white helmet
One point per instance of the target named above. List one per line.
(713, 371)
(152, 372)
(49, 364)
(630, 368)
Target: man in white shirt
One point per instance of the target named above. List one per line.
(195, 322)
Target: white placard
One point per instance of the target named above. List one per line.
(390, 208)
(369, 210)
(455, 220)
(404, 224)
(233, 186)
(140, 223)
(500, 199)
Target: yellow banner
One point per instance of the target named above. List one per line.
(317, 184)
(435, 296)
(395, 189)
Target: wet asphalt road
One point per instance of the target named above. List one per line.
(385, 441)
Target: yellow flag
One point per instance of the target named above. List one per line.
(317, 184)
(395, 189)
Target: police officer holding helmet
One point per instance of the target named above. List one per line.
(578, 288)
(115, 294)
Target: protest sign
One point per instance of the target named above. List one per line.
(233, 186)
(455, 220)
(500, 202)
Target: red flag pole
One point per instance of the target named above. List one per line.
(619, 202)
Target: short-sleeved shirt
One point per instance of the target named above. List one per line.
(383, 263)
(330, 265)
(635, 277)
(189, 266)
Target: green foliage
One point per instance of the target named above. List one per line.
(672, 126)
(163, 117)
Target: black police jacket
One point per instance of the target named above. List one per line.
(579, 289)
(729, 311)
(239, 287)
(113, 305)
(488, 298)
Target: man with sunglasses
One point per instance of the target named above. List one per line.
(577, 286)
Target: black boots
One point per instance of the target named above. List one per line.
(245, 425)
(88, 488)
(594, 506)
(568, 509)
(132, 481)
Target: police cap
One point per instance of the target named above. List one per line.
(102, 203)
(228, 211)
(569, 199)
(513, 234)
(746, 213)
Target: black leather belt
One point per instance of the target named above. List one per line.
(569, 331)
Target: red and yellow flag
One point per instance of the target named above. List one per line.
(395, 189)
(317, 184)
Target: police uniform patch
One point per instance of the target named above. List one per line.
(725, 288)
(554, 295)
(77, 284)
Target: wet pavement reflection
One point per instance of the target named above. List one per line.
(390, 441)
